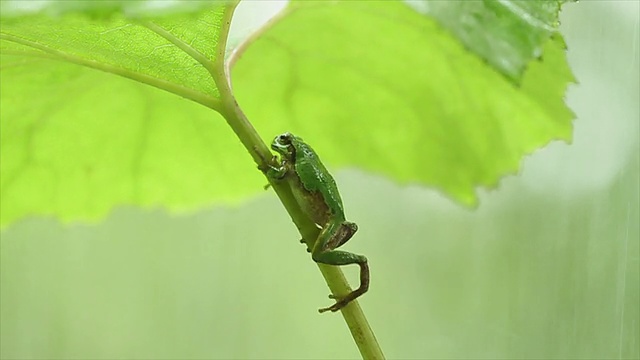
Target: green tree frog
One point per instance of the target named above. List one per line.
(317, 195)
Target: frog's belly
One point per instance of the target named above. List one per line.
(312, 204)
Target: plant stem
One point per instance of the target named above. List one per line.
(334, 277)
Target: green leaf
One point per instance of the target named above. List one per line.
(384, 88)
(75, 141)
(91, 120)
(120, 46)
(508, 34)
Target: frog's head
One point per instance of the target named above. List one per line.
(283, 144)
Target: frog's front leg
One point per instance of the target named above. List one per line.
(277, 172)
(332, 236)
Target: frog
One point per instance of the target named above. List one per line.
(316, 192)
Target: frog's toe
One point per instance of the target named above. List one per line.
(335, 307)
(332, 308)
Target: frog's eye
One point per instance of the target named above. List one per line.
(284, 139)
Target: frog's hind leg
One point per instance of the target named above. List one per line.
(324, 252)
(344, 233)
(342, 301)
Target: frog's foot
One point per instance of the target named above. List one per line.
(342, 301)
(332, 308)
(264, 164)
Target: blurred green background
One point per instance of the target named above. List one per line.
(546, 267)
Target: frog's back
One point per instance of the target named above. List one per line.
(316, 179)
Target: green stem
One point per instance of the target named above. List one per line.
(333, 275)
